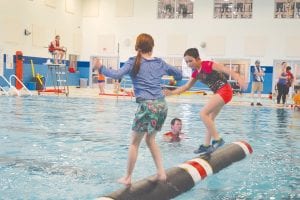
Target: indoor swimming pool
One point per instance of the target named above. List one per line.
(76, 148)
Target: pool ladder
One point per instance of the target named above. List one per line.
(10, 89)
(59, 76)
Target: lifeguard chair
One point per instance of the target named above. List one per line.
(57, 73)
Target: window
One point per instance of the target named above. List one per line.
(287, 9)
(170, 9)
(228, 9)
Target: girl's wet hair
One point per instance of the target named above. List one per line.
(144, 44)
(193, 52)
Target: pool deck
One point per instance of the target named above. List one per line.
(238, 100)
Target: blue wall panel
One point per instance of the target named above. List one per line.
(42, 69)
(83, 72)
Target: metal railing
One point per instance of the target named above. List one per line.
(17, 79)
(12, 87)
(6, 92)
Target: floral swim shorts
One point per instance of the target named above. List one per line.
(150, 116)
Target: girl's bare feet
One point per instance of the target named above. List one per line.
(126, 180)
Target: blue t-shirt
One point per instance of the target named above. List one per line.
(147, 83)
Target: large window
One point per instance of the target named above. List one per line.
(233, 9)
(287, 9)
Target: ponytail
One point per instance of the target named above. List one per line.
(137, 64)
(144, 44)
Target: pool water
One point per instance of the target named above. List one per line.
(76, 148)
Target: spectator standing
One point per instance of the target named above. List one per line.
(257, 83)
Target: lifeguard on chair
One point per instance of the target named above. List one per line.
(56, 50)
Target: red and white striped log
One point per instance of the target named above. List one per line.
(184, 176)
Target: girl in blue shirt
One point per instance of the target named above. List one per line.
(146, 73)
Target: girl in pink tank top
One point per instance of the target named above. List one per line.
(211, 74)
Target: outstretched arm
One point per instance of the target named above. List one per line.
(115, 74)
(181, 89)
(221, 68)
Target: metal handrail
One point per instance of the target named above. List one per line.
(8, 83)
(5, 92)
(14, 76)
